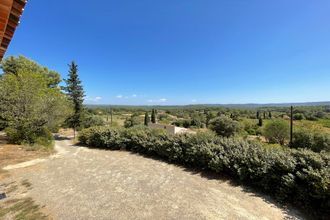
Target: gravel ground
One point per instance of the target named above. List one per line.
(82, 183)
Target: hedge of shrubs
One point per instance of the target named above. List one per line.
(298, 176)
(311, 140)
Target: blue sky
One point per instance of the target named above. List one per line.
(184, 52)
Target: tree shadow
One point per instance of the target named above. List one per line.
(59, 137)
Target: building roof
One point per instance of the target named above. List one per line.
(10, 13)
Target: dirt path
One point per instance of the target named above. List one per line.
(82, 183)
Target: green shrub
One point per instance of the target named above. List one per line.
(311, 140)
(23, 135)
(277, 131)
(102, 137)
(91, 121)
(250, 127)
(43, 138)
(299, 176)
(132, 121)
(224, 126)
(298, 116)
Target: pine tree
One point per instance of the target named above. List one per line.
(153, 116)
(146, 119)
(75, 92)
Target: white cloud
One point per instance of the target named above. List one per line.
(194, 100)
(163, 100)
(157, 100)
(93, 99)
(119, 96)
(134, 95)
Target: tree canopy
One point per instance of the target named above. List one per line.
(29, 106)
(14, 65)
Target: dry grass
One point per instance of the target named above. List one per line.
(12, 154)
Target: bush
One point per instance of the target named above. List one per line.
(91, 121)
(277, 131)
(132, 121)
(250, 127)
(186, 123)
(102, 137)
(311, 140)
(298, 176)
(298, 116)
(42, 137)
(224, 126)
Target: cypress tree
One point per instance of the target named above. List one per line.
(264, 115)
(111, 114)
(260, 122)
(270, 114)
(75, 92)
(146, 119)
(258, 114)
(153, 116)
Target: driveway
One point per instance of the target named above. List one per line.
(83, 183)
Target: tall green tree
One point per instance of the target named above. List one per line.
(146, 119)
(153, 116)
(30, 107)
(75, 92)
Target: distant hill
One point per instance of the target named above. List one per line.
(243, 106)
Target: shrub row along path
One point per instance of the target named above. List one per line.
(83, 183)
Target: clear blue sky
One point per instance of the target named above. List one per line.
(184, 51)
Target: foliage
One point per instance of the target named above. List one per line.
(75, 92)
(250, 127)
(30, 107)
(298, 176)
(311, 140)
(224, 126)
(270, 115)
(14, 65)
(186, 123)
(146, 119)
(90, 120)
(277, 131)
(298, 116)
(132, 121)
(153, 116)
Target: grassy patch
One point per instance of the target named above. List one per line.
(21, 209)
(325, 122)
